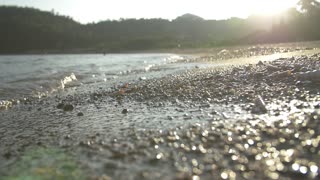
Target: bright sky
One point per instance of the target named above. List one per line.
(86, 11)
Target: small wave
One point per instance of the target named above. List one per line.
(68, 79)
(148, 67)
(6, 104)
(173, 59)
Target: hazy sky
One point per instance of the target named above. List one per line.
(95, 10)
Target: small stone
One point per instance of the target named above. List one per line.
(124, 111)
(259, 106)
(60, 106)
(272, 68)
(68, 107)
(299, 83)
(7, 155)
(80, 114)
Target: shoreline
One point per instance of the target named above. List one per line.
(245, 121)
(186, 51)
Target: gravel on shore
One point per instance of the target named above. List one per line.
(279, 79)
(279, 139)
(280, 142)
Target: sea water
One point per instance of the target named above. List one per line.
(36, 75)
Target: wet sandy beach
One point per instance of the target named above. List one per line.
(253, 120)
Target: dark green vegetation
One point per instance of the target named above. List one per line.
(27, 30)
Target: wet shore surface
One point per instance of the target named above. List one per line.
(251, 121)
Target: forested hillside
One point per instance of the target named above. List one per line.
(28, 30)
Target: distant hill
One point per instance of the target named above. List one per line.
(189, 17)
(29, 30)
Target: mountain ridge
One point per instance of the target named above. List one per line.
(28, 30)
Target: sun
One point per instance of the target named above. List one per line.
(271, 7)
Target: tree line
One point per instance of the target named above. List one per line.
(29, 30)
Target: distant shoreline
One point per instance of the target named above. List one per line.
(183, 51)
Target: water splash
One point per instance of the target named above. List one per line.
(68, 79)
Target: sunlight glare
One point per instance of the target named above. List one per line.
(270, 7)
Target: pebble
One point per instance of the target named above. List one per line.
(60, 106)
(68, 107)
(259, 106)
(124, 111)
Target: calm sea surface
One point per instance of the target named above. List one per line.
(33, 75)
